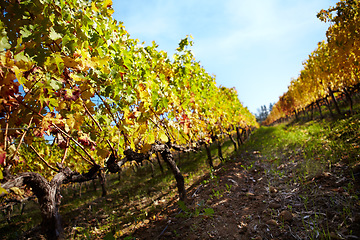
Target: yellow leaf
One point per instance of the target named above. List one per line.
(77, 78)
(17, 191)
(114, 138)
(70, 121)
(90, 106)
(129, 122)
(94, 8)
(79, 119)
(151, 138)
(61, 106)
(144, 95)
(110, 11)
(162, 136)
(142, 129)
(2, 190)
(69, 62)
(127, 116)
(132, 145)
(107, 3)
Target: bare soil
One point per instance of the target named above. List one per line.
(254, 198)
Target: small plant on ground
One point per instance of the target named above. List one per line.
(200, 210)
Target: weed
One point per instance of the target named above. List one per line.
(247, 167)
(183, 206)
(205, 182)
(199, 210)
(228, 187)
(209, 212)
(218, 194)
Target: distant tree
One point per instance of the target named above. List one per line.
(263, 112)
(271, 107)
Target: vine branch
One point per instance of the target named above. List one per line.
(43, 160)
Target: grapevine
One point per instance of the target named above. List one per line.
(332, 68)
(78, 94)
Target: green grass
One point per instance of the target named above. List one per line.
(321, 141)
(299, 152)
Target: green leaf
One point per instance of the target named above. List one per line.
(25, 32)
(54, 35)
(21, 57)
(155, 99)
(165, 102)
(66, 39)
(209, 212)
(59, 63)
(182, 206)
(53, 103)
(4, 43)
(54, 84)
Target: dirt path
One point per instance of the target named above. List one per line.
(249, 197)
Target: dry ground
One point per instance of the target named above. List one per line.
(251, 198)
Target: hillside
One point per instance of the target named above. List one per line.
(291, 181)
(297, 180)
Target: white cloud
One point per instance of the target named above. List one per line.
(255, 45)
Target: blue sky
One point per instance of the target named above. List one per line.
(254, 46)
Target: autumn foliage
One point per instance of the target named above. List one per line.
(331, 69)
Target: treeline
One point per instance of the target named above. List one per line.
(331, 72)
(79, 98)
(263, 112)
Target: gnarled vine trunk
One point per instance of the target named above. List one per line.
(329, 107)
(208, 153)
(48, 194)
(159, 162)
(233, 141)
(335, 101)
(167, 156)
(219, 145)
(348, 97)
(238, 135)
(102, 180)
(319, 107)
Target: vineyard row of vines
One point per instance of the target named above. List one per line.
(331, 70)
(79, 95)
